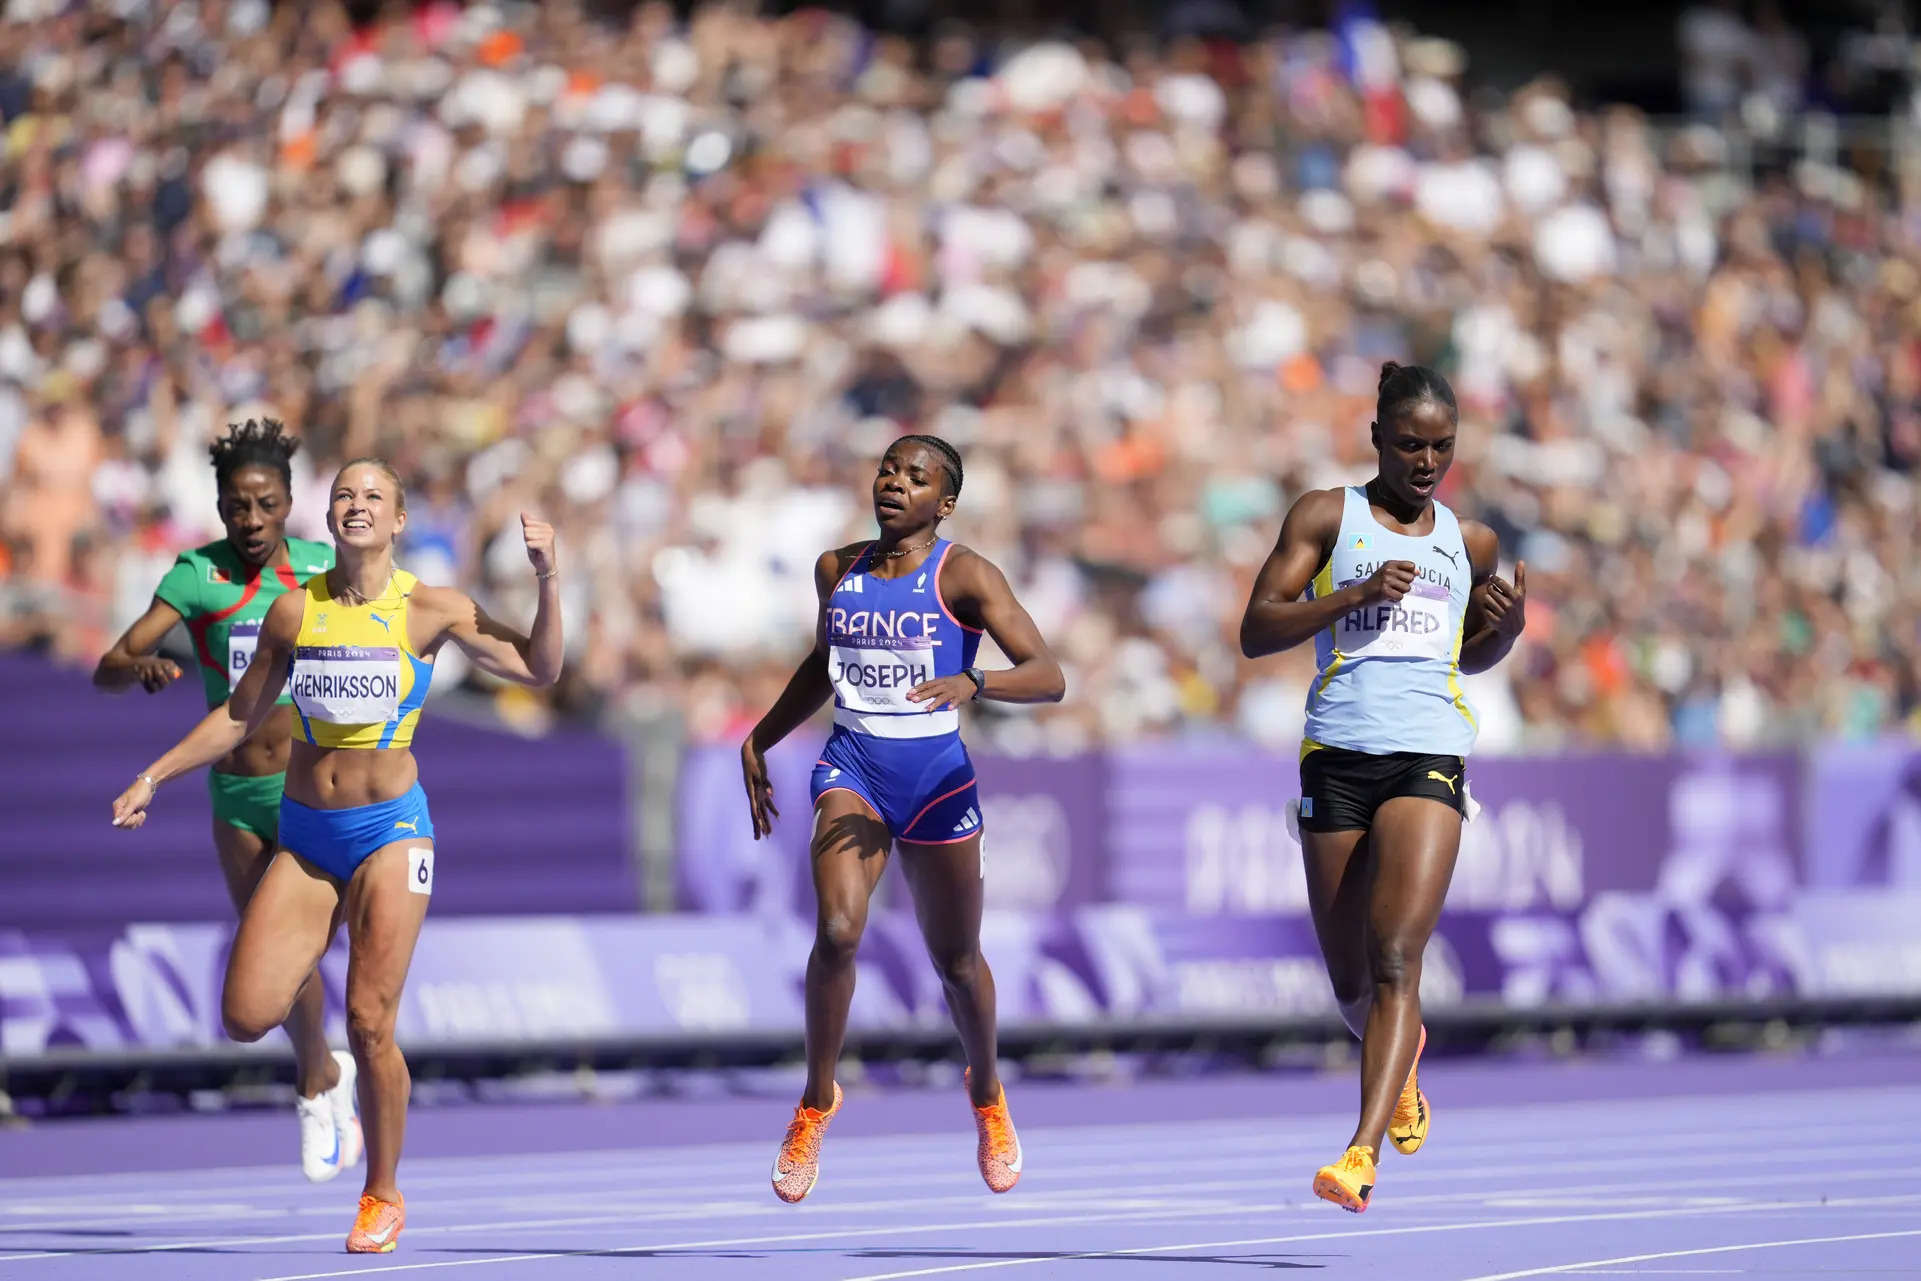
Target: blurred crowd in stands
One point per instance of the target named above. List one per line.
(675, 283)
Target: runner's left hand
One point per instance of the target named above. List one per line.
(946, 692)
(540, 543)
(1505, 607)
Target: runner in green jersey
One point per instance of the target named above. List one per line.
(222, 592)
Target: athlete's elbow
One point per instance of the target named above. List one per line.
(1056, 685)
(1254, 642)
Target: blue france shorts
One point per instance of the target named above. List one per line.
(339, 841)
(922, 788)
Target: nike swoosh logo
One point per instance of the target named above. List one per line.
(335, 1158)
(779, 1173)
(380, 1237)
(1014, 1166)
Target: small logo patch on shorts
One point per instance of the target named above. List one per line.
(1307, 807)
(420, 869)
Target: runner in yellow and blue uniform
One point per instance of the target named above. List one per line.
(356, 648)
(1400, 598)
(222, 592)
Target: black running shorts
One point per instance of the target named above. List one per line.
(1340, 789)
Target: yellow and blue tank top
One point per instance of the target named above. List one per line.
(356, 682)
(1390, 676)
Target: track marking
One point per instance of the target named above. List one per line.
(1695, 1253)
(1002, 1223)
(1349, 1235)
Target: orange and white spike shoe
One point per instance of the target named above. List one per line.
(1349, 1182)
(797, 1164)
(377, 1226)
(1000, 1152)
(1408, 1129)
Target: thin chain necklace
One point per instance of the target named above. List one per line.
(903, 551)
(346, 587)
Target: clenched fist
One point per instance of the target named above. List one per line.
(540, 545)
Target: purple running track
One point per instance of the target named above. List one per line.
(1725, 1166)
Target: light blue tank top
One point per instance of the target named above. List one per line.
(1390, 677)
(887, 635)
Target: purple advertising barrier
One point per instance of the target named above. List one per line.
(1044, 822)
(1208, 832)
(521, 824)
(157, 986)
(1863, 821)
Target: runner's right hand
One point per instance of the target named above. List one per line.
(1389, 583)
(130, 807)
(760, 789)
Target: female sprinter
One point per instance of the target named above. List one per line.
(1381, 577)
(356, 840)
(222, 592)
(900, 621)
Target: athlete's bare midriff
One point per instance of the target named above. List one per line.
(341, 778)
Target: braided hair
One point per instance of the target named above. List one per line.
(262, 442)
(949, 456)
(1404, 385)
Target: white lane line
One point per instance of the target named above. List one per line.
(1349, 1235)
(1695, 1253)
(675, 1171)
(724, 1209)
(1519, 1120)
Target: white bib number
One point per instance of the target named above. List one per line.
(1416, 626)
(420, 869)
(877, 679)
(242, 641)
(347, 684)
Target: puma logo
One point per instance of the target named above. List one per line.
(1451, 556)
(409, 824)
(1439, 777)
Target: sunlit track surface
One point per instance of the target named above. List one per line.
(1813, 1175)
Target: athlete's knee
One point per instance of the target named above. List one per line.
(370, 1023)
(246, 1020)
(1394, 962)
(837, 934)
(959, 968)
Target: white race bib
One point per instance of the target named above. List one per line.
(242, 641)
(347, 684)
(877, 677)
(1416, 626)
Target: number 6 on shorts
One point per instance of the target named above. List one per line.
(420, 869)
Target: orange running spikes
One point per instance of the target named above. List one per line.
(377, 1226)
(999, 1153)
(797, 1165)
(1408, 1129)
(1349, 1182)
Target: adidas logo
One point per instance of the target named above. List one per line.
(969, 822)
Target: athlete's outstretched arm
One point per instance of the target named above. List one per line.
(1494, 623)
(807, 689)
(974, 587)
(132, 659)
(496, 648)
(1277, 618)
(230, 724)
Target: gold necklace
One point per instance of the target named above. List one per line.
(346, 587)
(902, 551)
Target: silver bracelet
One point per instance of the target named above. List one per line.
(552, 573)
(148, 780)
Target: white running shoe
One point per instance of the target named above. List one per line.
(319, 1141)
(346, 1108)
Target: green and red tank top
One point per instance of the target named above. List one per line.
(224, 600)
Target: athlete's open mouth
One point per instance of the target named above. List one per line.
(356, 522)
(1422, 485)
(889, 504)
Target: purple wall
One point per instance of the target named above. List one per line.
(524, 825)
